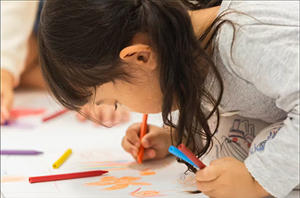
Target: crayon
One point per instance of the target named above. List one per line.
(20, 152)
(62, 159)
(66, 176)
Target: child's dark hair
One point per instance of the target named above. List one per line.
(80, 42)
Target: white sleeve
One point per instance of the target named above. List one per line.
(274, 71)
(17, 20)
(274, 159)
(274, 155)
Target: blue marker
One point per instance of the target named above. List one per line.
(175, 151)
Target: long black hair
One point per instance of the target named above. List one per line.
(80, 42)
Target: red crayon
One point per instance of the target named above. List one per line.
(191, 156)
(45, 119)
(66, 176)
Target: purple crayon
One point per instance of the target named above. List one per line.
(20, 152)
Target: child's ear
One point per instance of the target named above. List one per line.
(139, 54)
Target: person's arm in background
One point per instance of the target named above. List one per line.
(17, 20)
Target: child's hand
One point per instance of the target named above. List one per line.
(228, 177)
(105, 114)
(156, 141)
(7, 95)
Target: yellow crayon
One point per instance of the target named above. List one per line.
(62, 159)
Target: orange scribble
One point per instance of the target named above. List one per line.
(117, 187)
(147, 172)
(107, 165)
(117, 183)
(5, 179)
(145, 193)
(108, 168)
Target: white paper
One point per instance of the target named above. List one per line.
(92, 147)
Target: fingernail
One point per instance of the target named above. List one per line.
(152, 154)
(137, 144)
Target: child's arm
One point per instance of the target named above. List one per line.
(17, 19)
(7, 94)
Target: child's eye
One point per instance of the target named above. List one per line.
(116, 105)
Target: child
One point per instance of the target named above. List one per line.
(19, 59)
(158, 56)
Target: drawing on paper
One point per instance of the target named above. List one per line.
(147, 172)
(146, 167)
(146, 193)
(117, 183)
(108, 165)
(19, 124)
(6, 179)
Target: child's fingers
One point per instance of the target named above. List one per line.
(6, 104)
(150, 139)
(4, 113)
(129, 147)
(132, 137)
(3, 117)
(206, 187)
(7, 100)
(209, 173)
(149, 154)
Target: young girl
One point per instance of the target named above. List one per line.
(158, 56)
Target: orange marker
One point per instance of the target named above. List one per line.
(142, 134)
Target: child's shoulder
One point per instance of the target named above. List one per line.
(264, 50)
